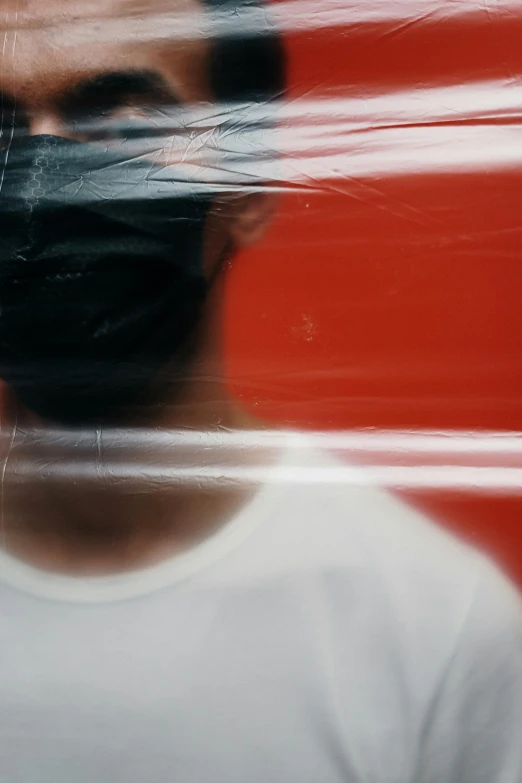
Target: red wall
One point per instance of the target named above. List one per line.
(392, 299)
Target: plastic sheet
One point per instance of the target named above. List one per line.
(260, 351)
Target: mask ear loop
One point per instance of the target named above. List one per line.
(224, 258)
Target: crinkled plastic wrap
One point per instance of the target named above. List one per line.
(261, 391)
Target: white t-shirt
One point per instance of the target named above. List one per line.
(326, 634)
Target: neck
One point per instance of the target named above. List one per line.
(109, 500)
(103, 500)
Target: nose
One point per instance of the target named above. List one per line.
(49, 124)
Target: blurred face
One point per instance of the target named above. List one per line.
(109, 230)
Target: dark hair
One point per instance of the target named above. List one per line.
(247, 55)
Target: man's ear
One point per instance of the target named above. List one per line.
(234, 222)
(251, 215)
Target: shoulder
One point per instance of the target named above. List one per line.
(334, 513)
(420, 630)
(424, 590)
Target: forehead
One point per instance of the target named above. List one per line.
(48, 44)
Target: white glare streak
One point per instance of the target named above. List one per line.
(287, 17)
(311, 142)
(445, 442)
(322, 142)
(479, 480)
(479, 462)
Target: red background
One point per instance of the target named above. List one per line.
(352, 315)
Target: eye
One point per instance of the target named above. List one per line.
(120, 124)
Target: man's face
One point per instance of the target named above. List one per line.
(93, 69)
(107, 242)
(91, 268)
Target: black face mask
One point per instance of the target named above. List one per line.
(101, 275)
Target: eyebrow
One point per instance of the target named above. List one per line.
(114, 88)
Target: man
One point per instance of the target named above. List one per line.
(164, 615)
